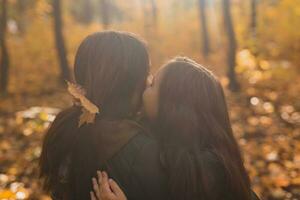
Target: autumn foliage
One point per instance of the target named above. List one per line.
(265, 112)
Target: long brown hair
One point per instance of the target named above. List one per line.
(198, 147)
(112, 67)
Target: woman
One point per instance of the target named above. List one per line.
(186, 105)
(100, 130)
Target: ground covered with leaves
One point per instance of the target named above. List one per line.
(265, 118)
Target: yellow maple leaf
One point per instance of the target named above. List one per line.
(78, 93)
(86, 117)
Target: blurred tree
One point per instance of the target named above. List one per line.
(116, 12)
(231, 38)
(154, 11)
(203, 25)
(21, 6)
(253, 17)
(149, 9)
(59, 39)
(105, 13)
(4, 64)
(82, 11)
(87, 16)
(253, 27)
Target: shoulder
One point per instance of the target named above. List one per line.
(148, 149)
(141, 147)
(67, 112)
(64, 121)
(138, 170)
(145, 155)
(148, 170)
(143, 141)
(136, 146)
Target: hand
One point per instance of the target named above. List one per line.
(106, 189)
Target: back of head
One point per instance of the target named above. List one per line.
(112, 68)
(198, 145)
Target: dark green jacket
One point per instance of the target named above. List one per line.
(136, 167)
(125, 152)
(133, 163)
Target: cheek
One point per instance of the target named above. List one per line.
(147, 100)
(150, 104)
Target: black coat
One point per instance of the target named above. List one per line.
(137, 169)
(126, 153)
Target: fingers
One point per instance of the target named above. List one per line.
(105, 188)
(93, 197)
(104, 176)
(99, 174)
(96, 187)
(104, 185)
(115, 187)
(117, 190)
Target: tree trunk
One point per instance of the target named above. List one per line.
(231, 56)
(150, 13)
(82, 11)
(253, 29)
(253, 18)
(4, 64)
(21, 7)
(59, 40)
(105, 13)
(154, 11)
(87, 12)
(204, 30)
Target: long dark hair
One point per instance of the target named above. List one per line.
(198, 147)
(112, 67)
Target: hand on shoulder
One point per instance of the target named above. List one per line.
(106, 189)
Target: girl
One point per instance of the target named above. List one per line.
(186, 106)
(100, 130)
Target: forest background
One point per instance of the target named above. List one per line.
(252, 45)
